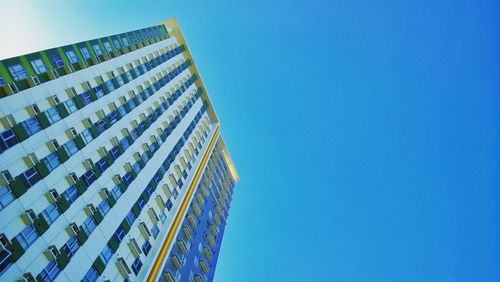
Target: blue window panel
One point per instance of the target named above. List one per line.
(116, 192)
(141, 203)
(122, 111)
(89, 177)
(86, 98)
(7, 139)
(27, 236)
(106, 254)
(71, 194)
(136, 167)
(125, 41)
(155, 231)
(71, 246)
(53, 115)
(39, 66)
(120, 234)
(169, 204)
(110, 85)
(113, 117)
(97, 49)
(99, 92)
(51, 213)
(52, 161)
(31, 126)
(17, 71)
(146, 247)
(70, 106)
(162, 216)
(2, 81)
(85, 53)
(108, 47)
(114, 151)
(88, 225)
(91, 275)
(101, 125)
(136, 266)
(5, 261)
(6, 197)
(57, 61)
(120, 80)
(30, 177)
(50, 272)
(124, 143)
(117, 44)
(70, 147)
(102, 164)
(130, 218)
(127, 178)
(103, 207)
(86, 136)
(72, 57)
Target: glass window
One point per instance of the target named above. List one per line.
(57, 61)
(125, 41)
(117, 44)
(6, 196)
(110, 85)
(70, 105)
(108, 47)
(50, 272)
(31, 126)
(7, 139)
(53, 115)
(71, 247)
(91, 275)
(155, 231)
(103, 207)
(2, 81)
(146, 247)
(72, 57)
(85, 53)
(97, 49)
(39, 66)
(130, 217)
(136, 265)
(88, 225)
(106, 254)
(51, 213)
(162, 216)
(27, 236)
(116, 192)
(30, 177)
(86, 136)
(52, 161)
(120, 234)
(70, 147)
(70, 194)
(18, 72)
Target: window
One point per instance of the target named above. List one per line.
(31, 126)
(106, 254)
(125, 41)
(57, 61)
(53, 115)
(91, 275)
(130, 217)
(50, 272)
(120, 234)
(71, 246)
(89, 177)
(72, 57)
(155, 231)
(70, 147)
(7, 139)
(85, 53)
(103, 207)
(97, 49)
(162, 216)
(124, 143)
(52, 161)
(108, 47)
(117, 44)
(110, 85)
(38, 66)
(51, 213)
(70, 194)
(30, 177)
(2, 81)
(146, 247)
(116, 192)
(88, 225)
(136, 265)
(18, 72)
(27, 236)
(70, 105)
(6, 196)
(86, 136)
(102, 164)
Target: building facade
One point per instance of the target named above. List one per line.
(112, 164)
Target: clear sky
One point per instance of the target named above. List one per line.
(366, 133)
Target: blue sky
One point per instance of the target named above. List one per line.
(366, 133)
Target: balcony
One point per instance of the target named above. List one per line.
(196, 209)
(198, 278)
(211, 240)
(168, 276)
(214, 229)
(208, 254)
(187, 232)
(191, 221)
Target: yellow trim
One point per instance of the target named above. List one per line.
(178, 217)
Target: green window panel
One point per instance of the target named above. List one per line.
(81, 236)
(123, 186)
(62, 204)
(42, 169)
(17, 186)
(99, 265)
(20, 132)
(43, 120)
(79, 101)
(79, 142)
(62, 154)
(62, 260)
(98, 217)
(81, 186)
(109, 159)
(15, 249)
(97, 171)
(111, 201)
(113, 244)
(125, 225)
(136, 210)
(61, 108)
(94, 131)
(41, 224)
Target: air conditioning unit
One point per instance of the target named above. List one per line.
(72, 178)
(117, 179)
(5, 178)
(52, 195)
(123, 267)
(55, 99)
(13, 88)
(8, 121)
(31, 160)
(134, 248)
(35, 109)
(153, 216)
(53, 145)
(4, 241)
(55, 73)
(90, 210)
(29, 216)
(72, 229)
(88, 164)
(52, 252)
(71, 133)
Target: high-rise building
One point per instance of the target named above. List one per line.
(112, 164)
